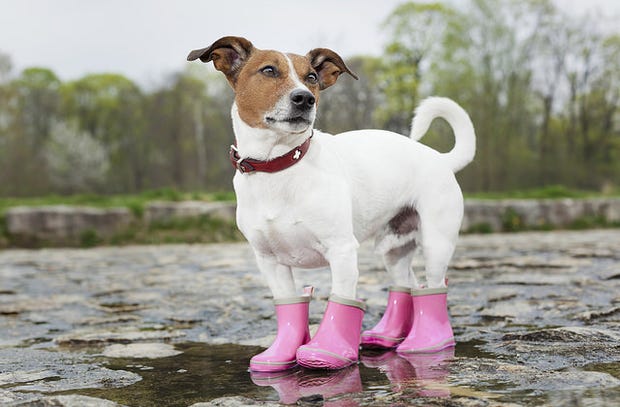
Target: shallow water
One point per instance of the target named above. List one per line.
(206, 372)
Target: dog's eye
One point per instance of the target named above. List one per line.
(312, 78)
(270, 71)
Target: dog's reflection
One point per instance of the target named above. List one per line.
(424, 372)
(295, 384)
(421, 374)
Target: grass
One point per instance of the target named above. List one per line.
(548, 192)
(136, 203)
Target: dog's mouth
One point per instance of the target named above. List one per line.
(295, 120)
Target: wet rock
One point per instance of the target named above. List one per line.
(567, 334)
(74, 401)
(41, 371)
(480, 372)
(402, 400)
(559, 348)
(235, 401)
(9, 398)
(591, 315)
(140, 350)
(79, 376)
(126, 335)
(20, 304)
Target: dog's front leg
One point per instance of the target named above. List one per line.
(336, 343)
(342, 259)
(279, 277)
(291, 315)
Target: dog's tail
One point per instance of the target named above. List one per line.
(465, 138)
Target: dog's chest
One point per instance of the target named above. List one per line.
(279, 228)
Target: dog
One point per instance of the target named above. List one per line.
(306, 199)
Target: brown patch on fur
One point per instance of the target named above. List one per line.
(256, 93)
(328, 65)
(228, 55)
(405, 221)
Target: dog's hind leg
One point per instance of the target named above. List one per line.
(439, 234)
(397, 319)
(397, 262)
(437, 255)
(431, 330)
(397, 243)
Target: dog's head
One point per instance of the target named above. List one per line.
(274, 90)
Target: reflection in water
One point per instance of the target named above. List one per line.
(206, 372)
(293, 385)
(425, 374)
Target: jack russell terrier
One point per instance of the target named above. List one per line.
(306, 199)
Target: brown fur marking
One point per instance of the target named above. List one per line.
(257, 94)
(405, 221)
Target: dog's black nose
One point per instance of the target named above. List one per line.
(302, 99)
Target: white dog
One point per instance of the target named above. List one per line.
(306, 199)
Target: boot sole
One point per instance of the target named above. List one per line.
(272, 366)
(448, 343)
(380, 342)
(315, 358)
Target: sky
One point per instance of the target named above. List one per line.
(147, 39)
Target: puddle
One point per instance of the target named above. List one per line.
(206, 372)
(201, 373)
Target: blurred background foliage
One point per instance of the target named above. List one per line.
(542, 88)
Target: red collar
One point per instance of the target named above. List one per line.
(245, 165)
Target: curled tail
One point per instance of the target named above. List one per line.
(465, 138)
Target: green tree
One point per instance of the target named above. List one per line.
(77, 163)
(485, 66)
(6, 120)
(190, 126)
(415, 33)
(37, 92)
(110, 107)
(30, 105)
(593, 76)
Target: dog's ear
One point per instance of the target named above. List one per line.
(228, 55)
(328, 65)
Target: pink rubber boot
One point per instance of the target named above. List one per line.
(292, 316)
(336, 343)
(395, 324)
(431, 330)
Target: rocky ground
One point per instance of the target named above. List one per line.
(536, 315)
